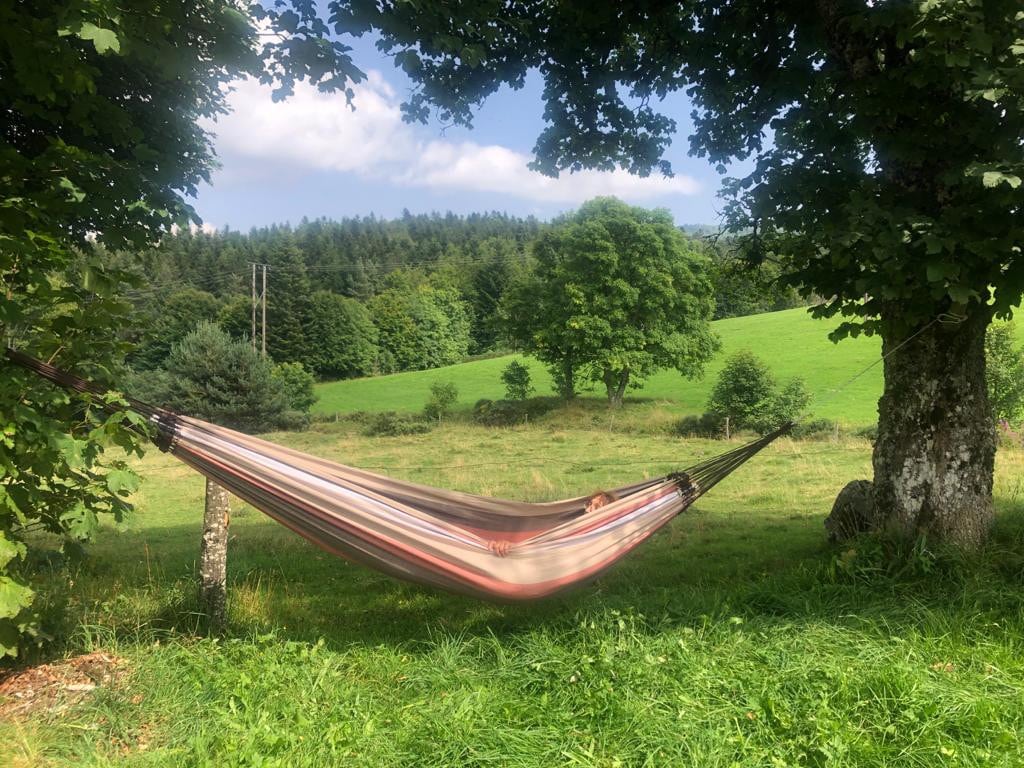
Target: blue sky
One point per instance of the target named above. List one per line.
(312, 156)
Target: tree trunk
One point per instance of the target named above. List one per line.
(566, 382)
(936, 444)
(615, 385)
(213, 556)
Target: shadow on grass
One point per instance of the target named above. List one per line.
(701, 569)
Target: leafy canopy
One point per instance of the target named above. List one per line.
(896, 160)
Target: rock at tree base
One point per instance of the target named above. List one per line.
(853, 512)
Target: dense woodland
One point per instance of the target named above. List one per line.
(368, 295)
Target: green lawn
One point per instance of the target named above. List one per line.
(791, 342)
(734, 638)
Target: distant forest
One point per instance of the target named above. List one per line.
(366, 295)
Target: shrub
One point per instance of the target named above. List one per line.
(868, 433)
(443, 395)
(507, 413)
(516, 377)
(705, 425)
(297, 383)
(746, 393)
(815, 428)
(392, 424)
(785, 406)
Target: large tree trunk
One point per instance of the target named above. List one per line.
(213, 556)
(936, 444)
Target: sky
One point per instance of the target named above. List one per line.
(313, 156)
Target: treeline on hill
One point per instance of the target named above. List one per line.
(366, 295)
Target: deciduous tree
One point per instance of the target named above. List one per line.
(618, 291)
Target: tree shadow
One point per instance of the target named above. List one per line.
(701, 568)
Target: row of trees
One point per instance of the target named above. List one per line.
(414, 322)
(435, 289)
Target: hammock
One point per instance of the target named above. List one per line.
(461, 542)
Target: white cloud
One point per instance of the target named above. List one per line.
(318, 131)
(206, 228)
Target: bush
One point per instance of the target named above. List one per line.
(508, 413)
(746, 393)
(392, 424)
(815, 428)
(443, 395)
(297, 383)
(705, 425)
(516, 377)
(868, 433)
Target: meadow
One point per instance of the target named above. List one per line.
(791, 342)
(736, 637)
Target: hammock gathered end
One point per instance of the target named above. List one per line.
(461, 542)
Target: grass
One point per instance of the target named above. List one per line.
(735, 638)
(791, 342)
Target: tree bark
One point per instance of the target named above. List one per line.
(567, 380)
(935, 451)
(615, 385)
(213, 557)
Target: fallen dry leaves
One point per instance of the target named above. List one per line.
(54, 687)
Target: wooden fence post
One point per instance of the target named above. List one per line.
(213, 557)
(727, 433)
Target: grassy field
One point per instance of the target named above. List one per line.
(791, 342)
(734, 638)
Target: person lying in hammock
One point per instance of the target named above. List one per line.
(501, 547)
(601, 499)
(598, 500)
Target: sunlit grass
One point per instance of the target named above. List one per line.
(791, 342)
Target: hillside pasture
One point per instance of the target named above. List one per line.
(791, 342)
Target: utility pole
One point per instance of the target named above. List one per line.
(253, 333)
(263, 338)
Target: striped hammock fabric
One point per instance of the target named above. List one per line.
(461, 542)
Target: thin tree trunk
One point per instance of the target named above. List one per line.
(213, 557)
(936, 444)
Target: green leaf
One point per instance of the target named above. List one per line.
(80, 522)
(74, 193)
(103, 39)
(13, 597)
(70, 450)
(122, 481)
(994, 178)
(936, 271)
(961, 294)
(10, 550)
